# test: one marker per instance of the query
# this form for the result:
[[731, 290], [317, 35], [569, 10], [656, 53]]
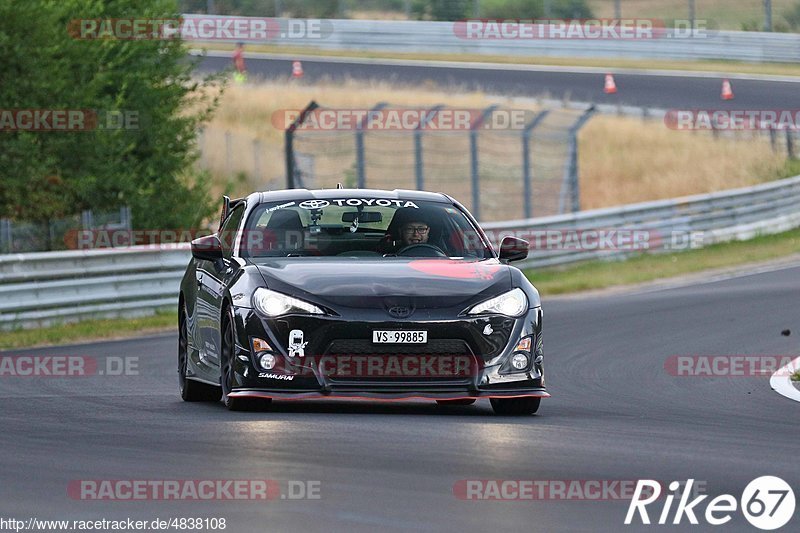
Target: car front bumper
[[304, 377]]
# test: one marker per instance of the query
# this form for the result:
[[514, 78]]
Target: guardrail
[[737, 214], [424, 36], [41, 288]]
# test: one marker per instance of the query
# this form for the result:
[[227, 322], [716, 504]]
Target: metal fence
[[738, 15], [737, 214], [446, 38], [44, 288], [58, 234], [41, 288], [530, 169]]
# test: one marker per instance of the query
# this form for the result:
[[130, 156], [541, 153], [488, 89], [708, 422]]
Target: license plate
[[399, 337]]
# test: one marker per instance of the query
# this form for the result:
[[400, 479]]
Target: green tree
[[791, 17], [147, 165]]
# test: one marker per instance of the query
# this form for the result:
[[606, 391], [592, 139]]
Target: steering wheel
[[429, 250]]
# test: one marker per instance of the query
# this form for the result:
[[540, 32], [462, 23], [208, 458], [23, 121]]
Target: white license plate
[[399, 337]]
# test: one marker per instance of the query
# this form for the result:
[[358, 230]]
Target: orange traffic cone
[[610, 87], [727, 92], [297, 69]]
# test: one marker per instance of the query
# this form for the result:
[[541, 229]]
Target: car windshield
[[361, 227]]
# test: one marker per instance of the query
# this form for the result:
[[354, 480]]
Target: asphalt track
[[615, 414], [679, 91]]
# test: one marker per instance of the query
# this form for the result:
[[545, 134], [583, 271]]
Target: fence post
[[773, 139], [571, 181], [288, 145], [473, 159], [360, 171], [419, 170], [125, 215], [6, 242], [87, 219], [51, 233], [527, 181], [789, 144], [767, 15]]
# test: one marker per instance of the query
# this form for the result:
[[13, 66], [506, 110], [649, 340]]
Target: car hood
[[358, 283]]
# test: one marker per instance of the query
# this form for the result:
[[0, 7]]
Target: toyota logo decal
[[314, 204], [400, 311]]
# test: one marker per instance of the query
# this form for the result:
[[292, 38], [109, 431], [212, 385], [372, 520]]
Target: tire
[[460, 401], [190, 390], [226, 371], [515, 406]]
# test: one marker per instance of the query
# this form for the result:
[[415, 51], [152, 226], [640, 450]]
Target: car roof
[[327, 194]]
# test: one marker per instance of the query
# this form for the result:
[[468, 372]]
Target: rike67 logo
[[767, 503]]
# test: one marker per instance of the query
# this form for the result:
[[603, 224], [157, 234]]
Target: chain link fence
[[508, 163], [58, 234], [529, 169]]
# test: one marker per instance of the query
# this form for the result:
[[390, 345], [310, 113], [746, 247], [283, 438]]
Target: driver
[[410, 227], [414, 232]]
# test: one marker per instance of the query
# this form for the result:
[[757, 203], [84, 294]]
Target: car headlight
[[513, 303], [273, 303]]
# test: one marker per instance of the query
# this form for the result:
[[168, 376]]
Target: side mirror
[[513, 249], [207, 248]]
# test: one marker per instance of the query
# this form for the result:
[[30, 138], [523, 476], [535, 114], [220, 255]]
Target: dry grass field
[[721, 14]]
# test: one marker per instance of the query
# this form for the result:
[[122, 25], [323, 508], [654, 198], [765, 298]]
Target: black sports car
[[359, 294]]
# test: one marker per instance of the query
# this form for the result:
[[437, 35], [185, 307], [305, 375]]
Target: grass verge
[[88, 330], [642, 268], [796, 376], [723, 67]]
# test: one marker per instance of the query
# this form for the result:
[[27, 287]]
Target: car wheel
[[515, 406], [191, 391], [460, 401], [227, 378]]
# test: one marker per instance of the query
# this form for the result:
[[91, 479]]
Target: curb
[[781, 381]]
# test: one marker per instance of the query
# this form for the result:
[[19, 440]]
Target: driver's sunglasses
[[422, 230]]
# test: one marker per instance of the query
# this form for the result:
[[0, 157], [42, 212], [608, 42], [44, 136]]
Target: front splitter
[[381, 396]]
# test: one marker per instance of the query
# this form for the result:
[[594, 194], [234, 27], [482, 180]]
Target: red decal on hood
[[455, 269]]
